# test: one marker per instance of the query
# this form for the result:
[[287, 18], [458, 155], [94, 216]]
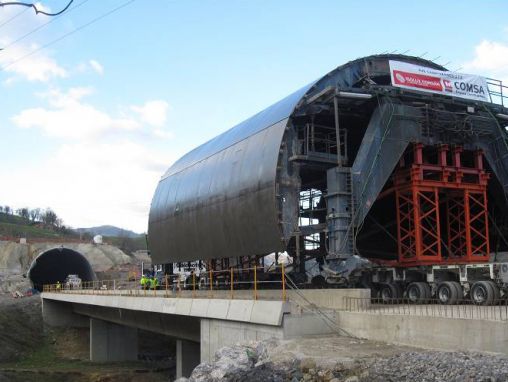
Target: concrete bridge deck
[[200, 325], [203, 325]]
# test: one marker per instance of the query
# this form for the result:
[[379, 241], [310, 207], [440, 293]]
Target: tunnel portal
[[56, 264]]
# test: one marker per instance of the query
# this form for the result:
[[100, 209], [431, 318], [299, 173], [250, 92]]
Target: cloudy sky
[[93, 114]]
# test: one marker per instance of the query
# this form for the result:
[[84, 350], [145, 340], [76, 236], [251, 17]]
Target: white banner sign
[[415, 77]]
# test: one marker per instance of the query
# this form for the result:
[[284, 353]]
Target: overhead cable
[[36, 9], [67, 34], [40, 26]]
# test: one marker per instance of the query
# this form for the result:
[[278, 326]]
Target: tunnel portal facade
[[55, 264]]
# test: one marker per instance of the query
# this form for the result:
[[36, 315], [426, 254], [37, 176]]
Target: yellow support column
[[255, 282], [283, 283], [211, 282], [232, 284], [193, 284]]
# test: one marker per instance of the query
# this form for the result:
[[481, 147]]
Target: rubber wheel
[[458, 288], [447, 293], [497, 292], [418, 292], [318, 282], [390, 293], [482, 293]]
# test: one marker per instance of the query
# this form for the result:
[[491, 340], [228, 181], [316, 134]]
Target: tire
[[458, 288], [447, 293], [390, 293], [418, 292], [497, 292], [482, 293], [318, 282]]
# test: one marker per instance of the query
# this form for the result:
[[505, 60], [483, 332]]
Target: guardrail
[[498, 311], [498, 92], [209, 284]]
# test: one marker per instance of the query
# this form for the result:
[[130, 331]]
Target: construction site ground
[[343, 359], [32, 352]]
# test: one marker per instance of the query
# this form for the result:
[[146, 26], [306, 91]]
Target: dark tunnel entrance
[[56, 264]]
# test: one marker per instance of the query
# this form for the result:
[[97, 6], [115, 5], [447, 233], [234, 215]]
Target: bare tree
[[8, 210], [23, 212], [35, 214], [49, 217]]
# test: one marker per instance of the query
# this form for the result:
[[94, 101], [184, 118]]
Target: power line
[[37, 10], [40, 26], [13, 17], [67, 34]]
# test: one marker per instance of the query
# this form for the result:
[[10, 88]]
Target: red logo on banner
[[448, 85], [417, 80]]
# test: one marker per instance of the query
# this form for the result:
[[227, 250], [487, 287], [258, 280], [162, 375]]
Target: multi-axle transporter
[[389, 172]]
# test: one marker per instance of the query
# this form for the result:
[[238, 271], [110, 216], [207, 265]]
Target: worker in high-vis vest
[[144, 282], [154, 282]]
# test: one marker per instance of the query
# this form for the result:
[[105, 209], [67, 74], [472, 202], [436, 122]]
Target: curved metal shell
[[237, 194], [221, 198]]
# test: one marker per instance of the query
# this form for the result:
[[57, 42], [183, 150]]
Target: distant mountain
[[109, 230]]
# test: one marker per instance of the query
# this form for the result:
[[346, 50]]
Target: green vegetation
[[17, 226], [45, 357], [127, 244], [44, 365], [45, 224]]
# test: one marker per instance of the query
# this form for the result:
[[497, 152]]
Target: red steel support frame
[[423, 191]]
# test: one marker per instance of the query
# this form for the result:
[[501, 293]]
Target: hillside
[[109, 230], [14, 227]]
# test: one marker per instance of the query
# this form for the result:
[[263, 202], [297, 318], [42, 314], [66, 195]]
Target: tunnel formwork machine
[[348, 168]]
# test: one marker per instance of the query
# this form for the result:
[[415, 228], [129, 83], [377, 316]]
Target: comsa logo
[[469, 88], [448, 85]]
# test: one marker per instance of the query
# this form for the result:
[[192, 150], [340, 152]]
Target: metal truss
[[441, 208]]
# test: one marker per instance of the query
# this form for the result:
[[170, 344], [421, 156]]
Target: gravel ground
[[440, 367], [339, 359]]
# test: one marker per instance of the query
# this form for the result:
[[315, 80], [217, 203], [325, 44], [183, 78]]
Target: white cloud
[[96, 66], [92, 183], [16, 59], [490, 60], [163, 134], [37, 67], [153, 112], [70, 117], [104, 172]]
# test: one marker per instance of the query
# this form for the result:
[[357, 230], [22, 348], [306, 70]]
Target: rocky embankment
[[21, 328], [340, 359]]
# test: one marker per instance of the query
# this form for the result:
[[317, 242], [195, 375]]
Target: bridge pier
[[112, 342], [187, 357]]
